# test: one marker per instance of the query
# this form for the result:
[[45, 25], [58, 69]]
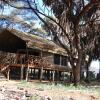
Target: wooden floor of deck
[[53, 67]]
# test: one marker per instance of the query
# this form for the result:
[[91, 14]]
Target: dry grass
[[58, 91]]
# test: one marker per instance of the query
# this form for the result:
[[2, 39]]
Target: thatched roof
[[12, 40]]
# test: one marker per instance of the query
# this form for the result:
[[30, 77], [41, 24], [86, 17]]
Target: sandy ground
[[45, 94]]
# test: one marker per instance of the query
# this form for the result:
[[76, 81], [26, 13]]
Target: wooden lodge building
[[31, 57]]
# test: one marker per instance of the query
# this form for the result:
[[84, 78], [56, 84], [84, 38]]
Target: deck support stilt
[[34, 73], [27, 73], [63, 76], [58, 75], [53, 76], [41, 74], [48, 74], [8, 74], [31, 71], [45, 74], [22, 72]]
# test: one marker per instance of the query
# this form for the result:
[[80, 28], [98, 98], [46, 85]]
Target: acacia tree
[[75, 28], [79, 21]]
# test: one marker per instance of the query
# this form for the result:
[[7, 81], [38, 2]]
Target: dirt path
[[12, 91]]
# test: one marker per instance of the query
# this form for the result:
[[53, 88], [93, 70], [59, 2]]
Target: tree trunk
[[70, 76], [76, 75], [87, 69], [87, 74], [76, 70]]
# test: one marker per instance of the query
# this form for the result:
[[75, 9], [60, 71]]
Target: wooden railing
[[31, 60]]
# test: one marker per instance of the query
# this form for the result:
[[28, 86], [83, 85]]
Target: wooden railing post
[[27, 72]]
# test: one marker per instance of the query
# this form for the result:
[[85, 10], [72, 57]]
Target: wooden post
[[44, 74], [58, 75], [34, 73], [22, 72], [41, 74], [27, 73], [58, 72], [63, 76], [60, 60], [8, 74], [53, 76], [48, 74], [31, 71]]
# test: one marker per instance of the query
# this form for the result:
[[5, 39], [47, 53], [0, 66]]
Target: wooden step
[[3, 68], [2, 77]]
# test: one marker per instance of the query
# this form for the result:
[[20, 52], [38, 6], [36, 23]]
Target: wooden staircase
[[4, 68], [2, 77], [3, 72]]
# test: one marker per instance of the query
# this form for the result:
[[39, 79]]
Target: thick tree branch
[[86, 9]]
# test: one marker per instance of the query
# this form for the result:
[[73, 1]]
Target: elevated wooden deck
[[53, 69], [32, 66], [24, 64]]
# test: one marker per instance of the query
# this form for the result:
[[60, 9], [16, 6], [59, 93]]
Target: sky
[[8, 10], [94, 66]]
